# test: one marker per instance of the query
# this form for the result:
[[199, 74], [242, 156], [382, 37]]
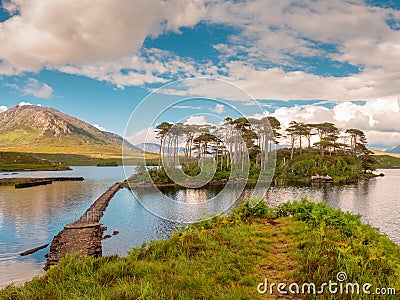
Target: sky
[[116, 63]]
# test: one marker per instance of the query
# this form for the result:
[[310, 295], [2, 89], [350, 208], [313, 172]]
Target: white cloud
[[104, 40], [382, 132], [378, 118], [37, 89], [219, 109], [24, 103], [208, 87], [146, 135], [274, 83], [33, 87], [11, 85], [150, 66], [62, 32], [101, 128], [383, 140], [197, 120], [3, 108], [7, 69], [275, 32]]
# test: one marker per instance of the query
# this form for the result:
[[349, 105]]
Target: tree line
[[234, 141]]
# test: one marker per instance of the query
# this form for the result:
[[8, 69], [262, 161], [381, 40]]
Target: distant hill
[[395, 149], [149, 147], [37, 129], [154, 148]]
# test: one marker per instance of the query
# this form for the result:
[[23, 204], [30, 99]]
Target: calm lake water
[[31, 217]]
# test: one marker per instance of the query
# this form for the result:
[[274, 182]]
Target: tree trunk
[[292, 150], [159, 157]]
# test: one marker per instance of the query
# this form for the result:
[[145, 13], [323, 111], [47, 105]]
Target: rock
[[321, 178]]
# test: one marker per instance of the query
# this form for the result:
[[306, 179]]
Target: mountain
[[155, 148], [37, 129], [149, 147], [395, 149]]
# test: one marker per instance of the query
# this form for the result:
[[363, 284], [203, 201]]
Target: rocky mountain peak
[[35, 125]]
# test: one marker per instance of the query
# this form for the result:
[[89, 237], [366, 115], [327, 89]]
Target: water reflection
[[31, 217], [187, 205]]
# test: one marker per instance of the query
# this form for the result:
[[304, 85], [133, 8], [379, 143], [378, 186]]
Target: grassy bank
[[18, 161], [387, 162], [15, 161], [227, 257]]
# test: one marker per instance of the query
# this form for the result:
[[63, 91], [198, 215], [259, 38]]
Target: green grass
[[227, 257], [36, 160], [67, 146], [387, 162], [13, 161], [339, 242]]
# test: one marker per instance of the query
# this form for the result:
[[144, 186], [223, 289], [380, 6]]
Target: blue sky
[[313, 61]]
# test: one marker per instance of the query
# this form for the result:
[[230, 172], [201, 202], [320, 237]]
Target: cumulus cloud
[[219, 109], [197, 120], [60, 32], [24, 103], [264, 54], [7, 69], [272, 36], [150, 66], [37, 89], [101, 128], [33, 87], [3, 108], [377, 117], [146, 135], [383, 140], [285, 29]]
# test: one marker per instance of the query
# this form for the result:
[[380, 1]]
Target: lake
[[31, 217]]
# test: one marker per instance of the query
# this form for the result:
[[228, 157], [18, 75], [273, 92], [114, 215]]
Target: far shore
[[16, 181]]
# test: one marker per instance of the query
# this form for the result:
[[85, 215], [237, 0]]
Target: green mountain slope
[[36, 129]]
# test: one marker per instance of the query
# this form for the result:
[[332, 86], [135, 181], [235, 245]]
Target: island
[[250, 150]]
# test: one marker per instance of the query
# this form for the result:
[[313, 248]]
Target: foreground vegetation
[[14, 161], [227, 257]]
